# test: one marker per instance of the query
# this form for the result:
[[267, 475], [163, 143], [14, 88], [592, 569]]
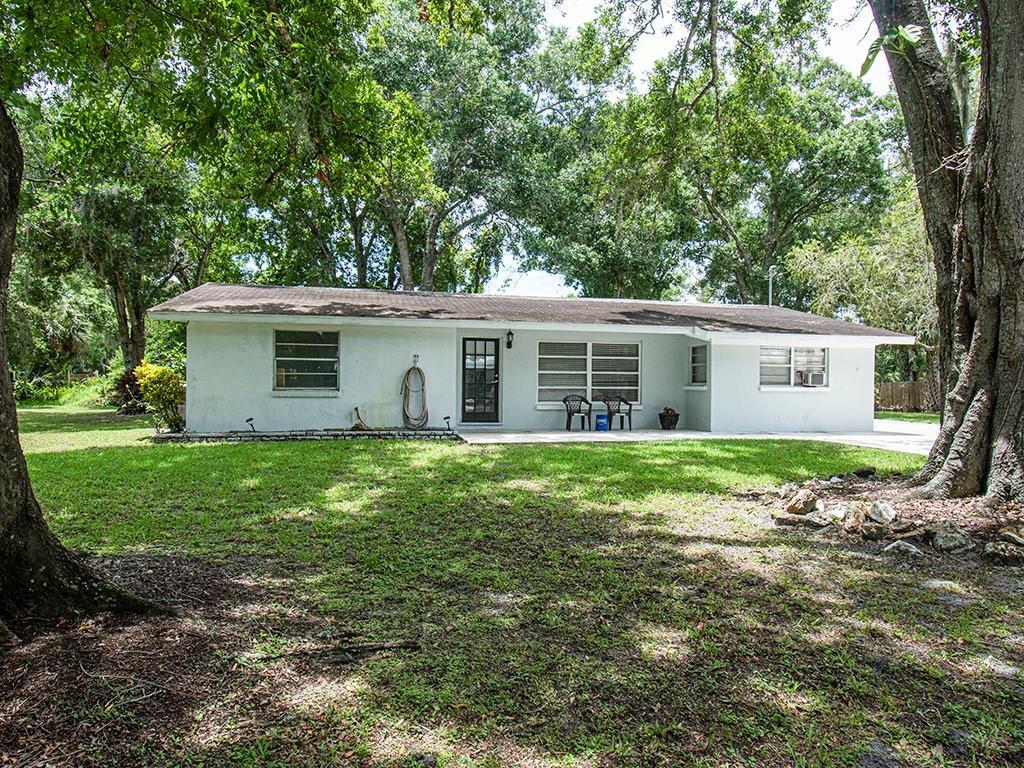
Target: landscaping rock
[[902, 526], [948, 537], [913, 533], [803, 502], [835, 514], [856, 514], [1014, 534], [900, 547], [818, 519], [882, 512], [874, 531], [1003, 553], [808, 521], [788, 490]]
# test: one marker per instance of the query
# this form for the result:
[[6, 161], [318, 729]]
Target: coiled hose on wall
[[411, 388]]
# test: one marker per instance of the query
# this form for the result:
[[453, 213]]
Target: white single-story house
[[296, 358]]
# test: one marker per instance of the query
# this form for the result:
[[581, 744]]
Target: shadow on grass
[[573, 606], [64, 419]]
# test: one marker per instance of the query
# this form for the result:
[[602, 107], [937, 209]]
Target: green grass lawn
[[574, 605], [925, 418]]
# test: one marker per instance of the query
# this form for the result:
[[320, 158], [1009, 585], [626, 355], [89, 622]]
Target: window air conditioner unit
[[813, 378]]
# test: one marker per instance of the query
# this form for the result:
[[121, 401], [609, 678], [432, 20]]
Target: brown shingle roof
[[218, 298]]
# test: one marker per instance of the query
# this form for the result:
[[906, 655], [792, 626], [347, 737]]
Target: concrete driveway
[[892, 435]]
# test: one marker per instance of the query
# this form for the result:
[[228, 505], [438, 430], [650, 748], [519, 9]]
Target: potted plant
[[668, 418]]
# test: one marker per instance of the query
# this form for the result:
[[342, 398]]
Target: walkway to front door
[[480, 380]]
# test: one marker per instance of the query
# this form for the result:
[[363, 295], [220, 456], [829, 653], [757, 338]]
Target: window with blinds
[[698, 366], [592, 369], [305, 359], [776, 367], [793, 366]]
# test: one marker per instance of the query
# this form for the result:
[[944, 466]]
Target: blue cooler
[[601, 422]]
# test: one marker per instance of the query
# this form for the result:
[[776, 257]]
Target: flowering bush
[[163, 390]]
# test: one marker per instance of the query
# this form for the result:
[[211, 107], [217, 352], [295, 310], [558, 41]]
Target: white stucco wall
[[740, 404], [230, 378], [662, 365], [230, 368]]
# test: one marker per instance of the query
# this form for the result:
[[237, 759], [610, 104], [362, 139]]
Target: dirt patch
[[120, 691]]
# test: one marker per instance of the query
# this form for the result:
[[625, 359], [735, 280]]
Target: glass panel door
[[480, 380]]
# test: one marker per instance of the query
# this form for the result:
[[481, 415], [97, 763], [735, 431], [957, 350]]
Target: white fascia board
[[743, 338]]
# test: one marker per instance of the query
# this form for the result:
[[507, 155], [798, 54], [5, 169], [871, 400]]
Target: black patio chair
[[621, 407], [577, 405]]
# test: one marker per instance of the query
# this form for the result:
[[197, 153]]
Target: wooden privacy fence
[[903, 396]]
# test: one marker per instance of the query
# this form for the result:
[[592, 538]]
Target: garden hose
[[409, 389]]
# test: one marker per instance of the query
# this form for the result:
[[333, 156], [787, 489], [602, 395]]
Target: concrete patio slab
[[907, 437]]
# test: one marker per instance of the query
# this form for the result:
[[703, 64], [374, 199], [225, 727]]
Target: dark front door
[[479, 379]]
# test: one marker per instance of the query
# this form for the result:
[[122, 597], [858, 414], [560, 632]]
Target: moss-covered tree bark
[[39, 578], [973, 200]]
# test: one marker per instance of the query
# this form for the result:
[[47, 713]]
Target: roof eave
[[870, 337], [717, 337]]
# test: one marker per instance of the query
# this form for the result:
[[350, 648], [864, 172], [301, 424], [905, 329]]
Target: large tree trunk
[[430, 253], [355, 222], [932, 385], [973, 201], [38, 577], [131, 324], [397, 226]]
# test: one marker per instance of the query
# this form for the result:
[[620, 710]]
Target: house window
[[305, 359], [698, 366], [592, 369], [793, 367], [810, 367]]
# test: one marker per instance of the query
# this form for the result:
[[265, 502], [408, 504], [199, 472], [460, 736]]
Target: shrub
[[35, 390], [163, 391], [127, 395]]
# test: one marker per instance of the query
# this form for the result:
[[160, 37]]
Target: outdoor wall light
[[508, 339]]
